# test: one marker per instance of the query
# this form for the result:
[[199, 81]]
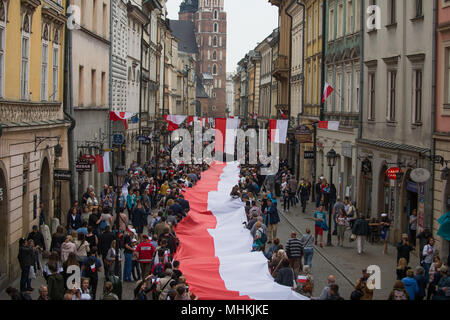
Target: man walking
[[304, 194], [326, 294], [271, 220], [25, 260], [145, 251], [294, 252]]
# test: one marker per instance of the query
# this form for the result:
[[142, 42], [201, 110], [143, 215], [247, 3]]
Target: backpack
[[264, 238], [159, 270]]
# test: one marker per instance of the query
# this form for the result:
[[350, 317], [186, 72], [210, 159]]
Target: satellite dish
[[420, 175]]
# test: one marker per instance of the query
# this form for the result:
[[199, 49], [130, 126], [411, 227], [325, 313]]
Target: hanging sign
[[309, 155], [83, 166], [62, 175], [393, 173]]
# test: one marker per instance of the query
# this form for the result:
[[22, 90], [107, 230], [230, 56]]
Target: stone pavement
[[345, 262]]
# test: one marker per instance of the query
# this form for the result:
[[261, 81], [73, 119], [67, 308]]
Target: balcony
[[281, 68], [346, 120]]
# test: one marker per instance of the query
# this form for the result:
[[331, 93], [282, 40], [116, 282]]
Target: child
[[134, 262]]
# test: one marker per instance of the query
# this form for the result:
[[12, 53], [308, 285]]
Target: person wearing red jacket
[[145, 251]]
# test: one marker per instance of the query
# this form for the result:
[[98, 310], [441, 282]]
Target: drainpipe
[[361, 88], [68, 95], [429, 220]]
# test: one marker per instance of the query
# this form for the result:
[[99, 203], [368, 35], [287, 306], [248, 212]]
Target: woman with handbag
[[110, 260], [83, 247]]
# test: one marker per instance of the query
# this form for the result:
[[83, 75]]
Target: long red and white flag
[[121, 116], [327, 91], [174, 121], [278, 130], [215, 250], [226, 132], [329, 125], [103, 163]]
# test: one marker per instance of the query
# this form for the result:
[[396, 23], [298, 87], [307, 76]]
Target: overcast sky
[[249, 22]]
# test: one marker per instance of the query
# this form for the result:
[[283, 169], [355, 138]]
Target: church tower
[[210, 21]]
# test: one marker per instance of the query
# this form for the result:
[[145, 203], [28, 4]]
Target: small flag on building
[[329, 125], [103, 163], [174, 121], [278, 130], [283, 115], [327, 91]]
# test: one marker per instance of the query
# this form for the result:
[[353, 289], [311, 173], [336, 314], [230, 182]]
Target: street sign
[[62, 175], [309, 155], [89, 158], [142, 139], [118, 138], [83, 166]]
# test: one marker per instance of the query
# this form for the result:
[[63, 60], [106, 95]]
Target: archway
[[45, 189], [3, 224]]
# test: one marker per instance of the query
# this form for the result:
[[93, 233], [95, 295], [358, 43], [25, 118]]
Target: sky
[[248, 23]]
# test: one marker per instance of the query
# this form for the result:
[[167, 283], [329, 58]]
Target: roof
[[184, 31], [200, 90], [394, 146]]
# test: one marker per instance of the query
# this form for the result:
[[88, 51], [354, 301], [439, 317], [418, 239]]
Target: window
[[44, 71], [216, 27], [3, 15], [371, 96], [216, 15], [81, 86], [55, 72], [214, 55], [357, 14], [349, 17], [103, 84], [215, 41], [349, 92], [419, 8], [357, 91], [339, 87], [417, 96], [320, 19], [25, 51], [93, 87], [392, 81], [340, 20], [392, 12], [331, 26], [309, 28], [214, 69], [105, 21]]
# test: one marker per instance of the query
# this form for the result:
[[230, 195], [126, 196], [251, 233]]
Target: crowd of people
[[134, 226]]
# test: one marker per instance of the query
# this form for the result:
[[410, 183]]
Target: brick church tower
[[210, 21]]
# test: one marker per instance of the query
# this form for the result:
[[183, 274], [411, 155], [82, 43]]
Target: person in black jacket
[[285, 275], [104, 242], [361, 230], [404, 248], [37, 237], [58, 239], [318, 194], [139, 218], [26, 261]]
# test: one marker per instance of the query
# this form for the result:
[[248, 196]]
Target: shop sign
[[89, 158], [394, 173], [62, 175], [83, 166], [303, 134], [118, 139], [309, 155], [420, 175]]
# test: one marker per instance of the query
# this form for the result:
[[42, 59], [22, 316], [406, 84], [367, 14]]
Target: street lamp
[[119, 179], [331, 159]]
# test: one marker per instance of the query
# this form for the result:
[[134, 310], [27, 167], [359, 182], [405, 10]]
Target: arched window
[[25, 60], [215, 41], [214, 55], [216, 27], [216, 14], [44, 61], [215, 69]]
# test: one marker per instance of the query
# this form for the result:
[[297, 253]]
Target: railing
[[349, 120]]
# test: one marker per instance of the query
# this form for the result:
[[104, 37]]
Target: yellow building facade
[[33, 139]]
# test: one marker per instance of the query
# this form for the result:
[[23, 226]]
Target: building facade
[[33, 141], [396, 115], [442, 128], [230, 95], [342, 72], [90, 70]]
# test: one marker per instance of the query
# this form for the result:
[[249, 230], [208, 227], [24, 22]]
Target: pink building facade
[[442, 123]]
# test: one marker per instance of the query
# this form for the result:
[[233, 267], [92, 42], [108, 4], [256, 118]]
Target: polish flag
[[174, 121], [278, 130], [103, 163], [121, 116], [226, 134], [283, 115], [254, 116], [327, 92], [302, 279], [329, 125], [214, 243]]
